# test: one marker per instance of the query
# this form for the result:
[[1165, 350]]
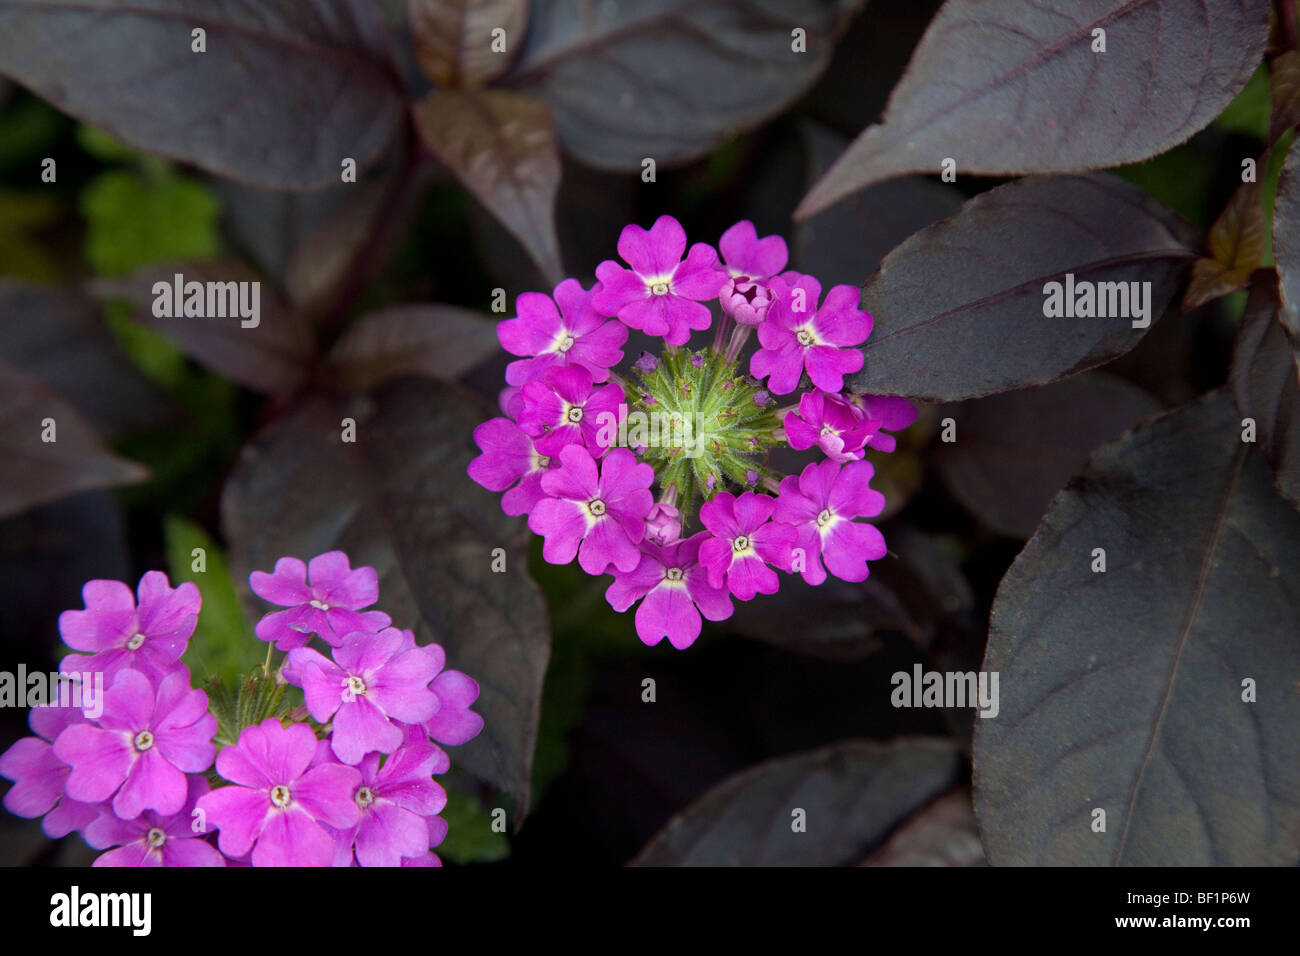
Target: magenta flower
[[663, 525], [749, 262], [798, 335], [428, 859], [887, 412], [372, 681], [40, 776], [394, 803], [510, 459], [749, 257], [329, 606], [277, 805], [597, 514], [144, 745], [149, 638], [575, 335], [155, 839], [674, 591], [454, 723], [744, 542], [661, 294], [561, 409], [832, 424], [821, 504]]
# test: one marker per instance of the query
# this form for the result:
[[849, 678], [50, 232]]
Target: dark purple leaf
[[1286, 241], [1015, 451], [453, 38], [286, 90], [852, 794], [1162, 690], [845, 243], [670, 79], [271, 356], [38, 471], [1266, 384], [1014, 86], [943, 834], [959, 308], [501, 145], [58, 337], [440, 341]]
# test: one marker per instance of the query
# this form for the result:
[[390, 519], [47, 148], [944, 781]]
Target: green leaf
[[470, 837], [223, 645], [103, 146], [133, 221], [1178, 179], [28, 129], [1248, 113]]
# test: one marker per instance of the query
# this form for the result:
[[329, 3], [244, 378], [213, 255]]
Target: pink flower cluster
[[355, 785], [619, 506]]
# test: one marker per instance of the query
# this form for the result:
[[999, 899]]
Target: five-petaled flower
[[277, 801], [574, 336], [674, 591], [798, 336], [597, 513], [149, 638], [140, 749], [155, 839], [662, 294], [329, 606], [374, 680], [743, 542], [822, 503], [562, 409]]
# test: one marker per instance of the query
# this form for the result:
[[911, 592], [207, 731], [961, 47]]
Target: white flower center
[[280, 795], [155, 838], [824, 518], [740, 543], [659, 288], [543, 462], [134, 643], [673, 574], [574, 414], [596, 507], [353, 687], [566, 343], [364, 797], [806, 337], [320, 605], [143, 741]]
